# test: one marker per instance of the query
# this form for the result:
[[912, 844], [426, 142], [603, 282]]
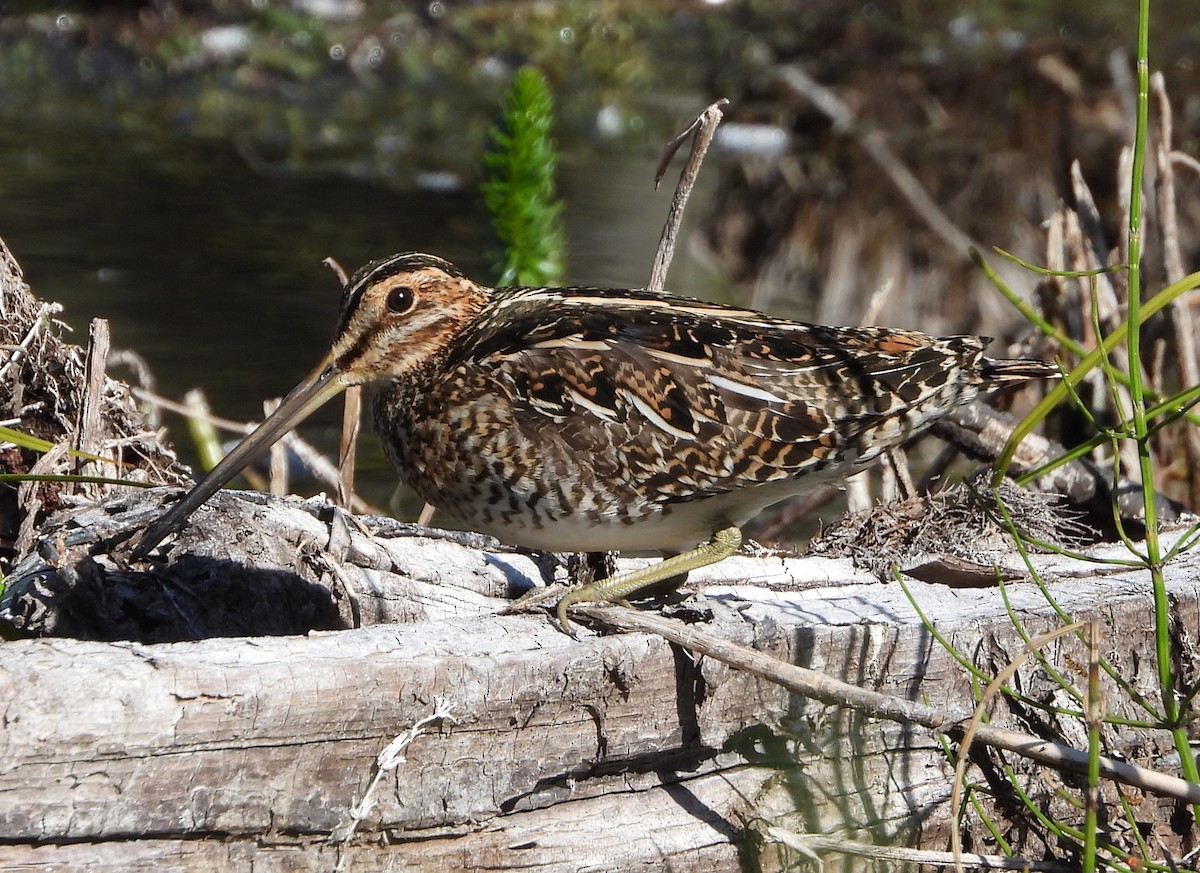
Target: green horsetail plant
[[1098, 830], [520, 192]]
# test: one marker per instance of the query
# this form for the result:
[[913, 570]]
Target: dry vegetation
[[55, 391], [872, 214]]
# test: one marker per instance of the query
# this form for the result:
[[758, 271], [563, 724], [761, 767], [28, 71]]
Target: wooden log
[[607, 752]]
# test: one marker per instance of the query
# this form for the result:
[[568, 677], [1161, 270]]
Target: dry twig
[[704, 127], [1183, 329], [817, 686]]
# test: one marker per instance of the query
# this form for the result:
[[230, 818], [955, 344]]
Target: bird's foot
[[619, 588]]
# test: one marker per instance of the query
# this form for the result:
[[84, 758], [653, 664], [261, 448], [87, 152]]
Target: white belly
[[682, 526]]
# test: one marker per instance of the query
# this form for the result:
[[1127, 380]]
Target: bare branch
[[704, 127], [818, 686]]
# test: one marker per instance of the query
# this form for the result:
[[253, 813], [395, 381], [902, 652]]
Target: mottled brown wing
[[693, 401]]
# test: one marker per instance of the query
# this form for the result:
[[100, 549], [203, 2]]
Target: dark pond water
[[210, 268]]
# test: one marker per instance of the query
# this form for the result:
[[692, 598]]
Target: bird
[[582, 419]]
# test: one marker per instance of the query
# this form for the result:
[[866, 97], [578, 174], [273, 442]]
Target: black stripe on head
[[377, 271], [400, 263]]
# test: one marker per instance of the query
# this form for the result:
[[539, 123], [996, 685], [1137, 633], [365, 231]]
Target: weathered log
[[606, 752]]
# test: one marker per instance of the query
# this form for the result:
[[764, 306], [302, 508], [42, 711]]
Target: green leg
[[617, 588]]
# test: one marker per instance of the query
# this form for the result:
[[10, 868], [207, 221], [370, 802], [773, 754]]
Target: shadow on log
[[247, 565]]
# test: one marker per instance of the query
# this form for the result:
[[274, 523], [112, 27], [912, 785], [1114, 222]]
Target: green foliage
[[36, 444], [1141, 430], [519, 192]]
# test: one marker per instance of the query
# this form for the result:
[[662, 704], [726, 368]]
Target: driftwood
[[607, 752]]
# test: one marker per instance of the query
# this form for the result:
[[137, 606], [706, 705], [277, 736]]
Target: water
[[210, 266]]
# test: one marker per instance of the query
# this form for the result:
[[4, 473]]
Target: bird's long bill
[[321, 385]]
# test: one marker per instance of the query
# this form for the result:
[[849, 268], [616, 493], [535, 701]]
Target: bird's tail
[[1002, 372]]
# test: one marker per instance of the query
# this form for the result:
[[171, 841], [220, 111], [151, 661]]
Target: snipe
[[586, 419]]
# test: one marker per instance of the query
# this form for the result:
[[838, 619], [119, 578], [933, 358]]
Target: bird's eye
[[400, 299]]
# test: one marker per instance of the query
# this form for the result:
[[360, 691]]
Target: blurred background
[[182, 168]]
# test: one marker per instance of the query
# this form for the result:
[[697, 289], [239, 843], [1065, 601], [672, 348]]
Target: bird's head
[[398, 315]]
